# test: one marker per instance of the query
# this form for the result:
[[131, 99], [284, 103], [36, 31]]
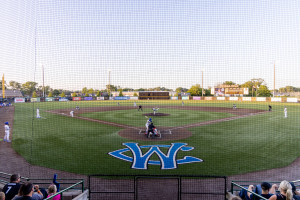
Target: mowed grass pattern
[[176, 118], [243, 145]]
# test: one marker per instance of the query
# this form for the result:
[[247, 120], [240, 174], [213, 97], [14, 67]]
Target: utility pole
[[109, 83]]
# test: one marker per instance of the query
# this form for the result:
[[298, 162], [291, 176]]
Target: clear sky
[[150, 43]]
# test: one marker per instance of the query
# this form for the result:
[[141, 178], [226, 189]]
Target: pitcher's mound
[[156, 114]]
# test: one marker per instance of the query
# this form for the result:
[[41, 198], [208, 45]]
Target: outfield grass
[[233, 147]]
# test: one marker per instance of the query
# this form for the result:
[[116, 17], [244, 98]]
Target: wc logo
[[140, 161]]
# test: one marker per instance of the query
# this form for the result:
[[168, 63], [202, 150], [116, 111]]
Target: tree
[[263, 91], [34, 95], [74, 94], [253, 85], [84, 90], [56, 92], [62, 94], [120, 93], [180, 90], [195, 90], [229, 83], [50, 94], [98, 94], [90, 91], [14, 85], [135, 94], [111, 88], [28, 87]]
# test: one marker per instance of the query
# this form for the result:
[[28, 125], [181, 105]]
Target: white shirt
[[6, 128]]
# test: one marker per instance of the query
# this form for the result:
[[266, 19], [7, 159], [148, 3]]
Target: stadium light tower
[[274, 81], [202, 83], [109, 83]]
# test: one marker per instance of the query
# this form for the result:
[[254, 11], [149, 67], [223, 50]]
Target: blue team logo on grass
[[140, 160]]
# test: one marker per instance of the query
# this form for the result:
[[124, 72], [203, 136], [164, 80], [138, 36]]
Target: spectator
[[26, 192], [285, 190], [12, 188], [264, 189], [52, 191], [2, 196], [296, 194]]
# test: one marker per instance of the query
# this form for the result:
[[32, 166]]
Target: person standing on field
[[72, 113], [6, 129], [38, 113], [285, 111]]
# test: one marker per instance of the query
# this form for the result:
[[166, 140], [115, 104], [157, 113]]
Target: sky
[[150, 43]]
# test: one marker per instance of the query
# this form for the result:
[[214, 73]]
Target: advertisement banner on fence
[[121, 98], [233, 98], [76, 98], [63, 99], [292, 100], [185, 98], [246, 98], [221, 98], [19, 100], [49, 99], [134, 98], [261, 98], [208, 98], [100, 98], [276, 99], [88, 98], [35, 99], [196, 98], [174, 98]]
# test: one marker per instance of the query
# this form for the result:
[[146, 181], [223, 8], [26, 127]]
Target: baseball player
[[234, 107], [155, 110], [134, 104], [270, 108], [149, 121], [182, 103], [77, 108], [6, 129], [140, 107], [72, 113], [38, 113], [285, 111]]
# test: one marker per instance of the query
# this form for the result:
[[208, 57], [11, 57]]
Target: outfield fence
[[157, 187]]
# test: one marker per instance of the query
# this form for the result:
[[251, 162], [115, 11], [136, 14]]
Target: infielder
[[134, 104], [140, 107], [72, 113], [182, 103], [6, 129], [285, 111], [234, 107], [38, 113], [149, 121]]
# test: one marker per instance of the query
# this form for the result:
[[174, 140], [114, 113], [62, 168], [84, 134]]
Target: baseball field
[[228, 141]]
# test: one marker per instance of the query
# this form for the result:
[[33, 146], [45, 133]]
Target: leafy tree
[[195, 90], [229, 83], [135, 94], [14, 85], [29, 87], [86, 95], [98, 94], [180, 90], [84, 90], [50, 94], [62, 94], [74, 94], [90, 91], [127, 89], [141, 89], [120, 93], [34, 95], [207, 92], [253, 85], [111, 87], [55, 92], [263, 91]]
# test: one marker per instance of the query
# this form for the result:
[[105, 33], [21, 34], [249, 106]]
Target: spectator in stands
[[264, 189], [52, 191], [2, 196], [26, 192], [296, 194], [35, 196], [12, 188], [285, 190]]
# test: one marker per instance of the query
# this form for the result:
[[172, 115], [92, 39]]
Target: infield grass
[[233, 147]]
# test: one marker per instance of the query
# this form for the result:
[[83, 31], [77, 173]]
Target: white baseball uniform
[[6, 136], [72, 113], [285, 112], [38, 113]]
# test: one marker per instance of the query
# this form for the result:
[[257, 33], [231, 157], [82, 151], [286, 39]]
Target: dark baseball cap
[[265, 186]]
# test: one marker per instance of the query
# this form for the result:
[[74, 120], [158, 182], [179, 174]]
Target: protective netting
[[218, 79]]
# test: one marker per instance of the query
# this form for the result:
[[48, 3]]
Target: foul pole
[[3, 87]]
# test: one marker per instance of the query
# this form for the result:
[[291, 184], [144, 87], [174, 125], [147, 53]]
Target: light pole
[[274, 81], [43, 82], [109, 83], [202, 83]]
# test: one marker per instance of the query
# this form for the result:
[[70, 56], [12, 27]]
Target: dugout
[[154, 95]]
